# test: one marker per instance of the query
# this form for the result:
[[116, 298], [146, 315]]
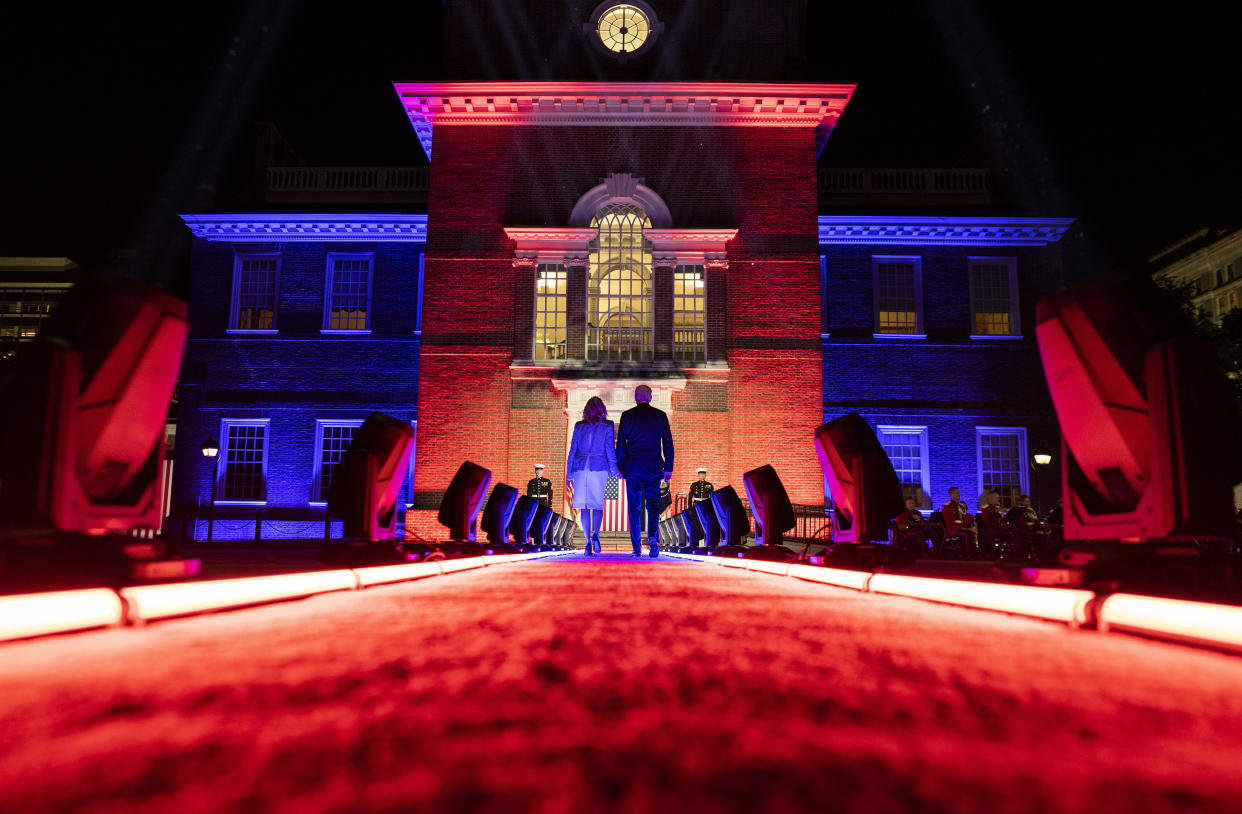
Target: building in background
[[620, 193], [1208, 263]]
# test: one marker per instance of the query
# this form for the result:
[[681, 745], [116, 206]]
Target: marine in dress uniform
[[701, 489], [540, 488]]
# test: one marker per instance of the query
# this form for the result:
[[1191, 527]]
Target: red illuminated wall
[[476, 317]]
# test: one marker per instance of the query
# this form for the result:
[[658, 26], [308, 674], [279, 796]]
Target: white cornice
[[548, 240], [914, 230], [286, 228], [604, 104]]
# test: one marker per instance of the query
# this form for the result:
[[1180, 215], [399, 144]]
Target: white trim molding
[[920, 230], [612, 104], [621, 187], [545, 244], [294, 228]]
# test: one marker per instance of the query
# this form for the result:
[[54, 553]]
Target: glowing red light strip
[[781, 569], [1059, 604], [381, 574], [58, 612], [831, 576], [148, 602], [1195, 622]]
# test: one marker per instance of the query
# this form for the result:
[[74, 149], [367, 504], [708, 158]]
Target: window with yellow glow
[[550, 335], [619, 290], [992, 300], [623, 28], [897, 297], [689, 314], [255, 288], [349, 293]]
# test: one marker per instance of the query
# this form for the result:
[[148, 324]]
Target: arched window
[[619, 289]]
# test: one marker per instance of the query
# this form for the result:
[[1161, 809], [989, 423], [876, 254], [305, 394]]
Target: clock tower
[[621, 193]]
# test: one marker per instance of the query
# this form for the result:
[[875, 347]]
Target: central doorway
[[618, 396]]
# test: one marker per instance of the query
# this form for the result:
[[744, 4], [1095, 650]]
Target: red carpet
[[615, 685]]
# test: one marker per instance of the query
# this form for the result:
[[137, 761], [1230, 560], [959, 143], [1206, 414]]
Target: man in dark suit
[[645, 458]]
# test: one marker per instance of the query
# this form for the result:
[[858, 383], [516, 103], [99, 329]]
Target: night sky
[[125, 114]]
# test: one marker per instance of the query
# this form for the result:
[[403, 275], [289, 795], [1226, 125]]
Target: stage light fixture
[[85, 409], [692, 526], [462, 501], [866, 493], [539, 528], [730, 516], [523, 516], [769, 503], [368, 480], [498, 513], [1150, 441], [706, 513]]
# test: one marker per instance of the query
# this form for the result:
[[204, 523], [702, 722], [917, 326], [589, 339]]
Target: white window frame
[[317, 499], [1024, 462], [234, 299], [221, 460], [327, 291], [917, 262], [1015, 324], [924, 461]]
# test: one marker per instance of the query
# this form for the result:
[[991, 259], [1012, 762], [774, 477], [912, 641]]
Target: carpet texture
[[615, 685]]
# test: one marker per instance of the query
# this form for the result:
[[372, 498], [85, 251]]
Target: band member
[[540, 488], [992, 522], [700, 490], [958, 522], [1027, 530], [914, 532]]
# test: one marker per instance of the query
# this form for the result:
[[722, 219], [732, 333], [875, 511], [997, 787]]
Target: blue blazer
[[644, 442]]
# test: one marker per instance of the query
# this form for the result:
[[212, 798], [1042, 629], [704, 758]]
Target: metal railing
[[348, 179], [914, 181]]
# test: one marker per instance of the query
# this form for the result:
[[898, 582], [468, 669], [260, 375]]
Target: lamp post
[[1040, 460], [210, 450]]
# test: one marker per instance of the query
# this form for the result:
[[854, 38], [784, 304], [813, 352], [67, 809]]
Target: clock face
[[623, 28]]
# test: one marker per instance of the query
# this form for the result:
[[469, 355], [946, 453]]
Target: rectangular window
[[331, 440], [993, 296], [255, 287], [689, 314], [898, 295], [550, 304], [243, 473], [1002, 461], [907, 449], [347, 304]]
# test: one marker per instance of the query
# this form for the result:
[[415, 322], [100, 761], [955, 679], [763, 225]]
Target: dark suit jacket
[[644, 442]]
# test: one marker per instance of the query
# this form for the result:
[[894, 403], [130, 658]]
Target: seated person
[[992, 522], [1028, 532], [959, 523], [914, 533]]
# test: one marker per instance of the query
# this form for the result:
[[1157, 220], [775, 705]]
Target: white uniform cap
[[702, 469], [540, 466]]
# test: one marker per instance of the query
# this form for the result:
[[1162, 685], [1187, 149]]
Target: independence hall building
[[619, 193]]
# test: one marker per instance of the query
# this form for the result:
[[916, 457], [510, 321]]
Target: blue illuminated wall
[[291, 378], [947, 381]]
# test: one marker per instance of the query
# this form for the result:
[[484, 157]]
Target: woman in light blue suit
[[592, 458]]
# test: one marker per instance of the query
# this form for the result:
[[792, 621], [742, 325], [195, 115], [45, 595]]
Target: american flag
[[615, 516], [569, 499]]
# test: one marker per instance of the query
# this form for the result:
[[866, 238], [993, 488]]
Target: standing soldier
[[540, 488], [701, 489]]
